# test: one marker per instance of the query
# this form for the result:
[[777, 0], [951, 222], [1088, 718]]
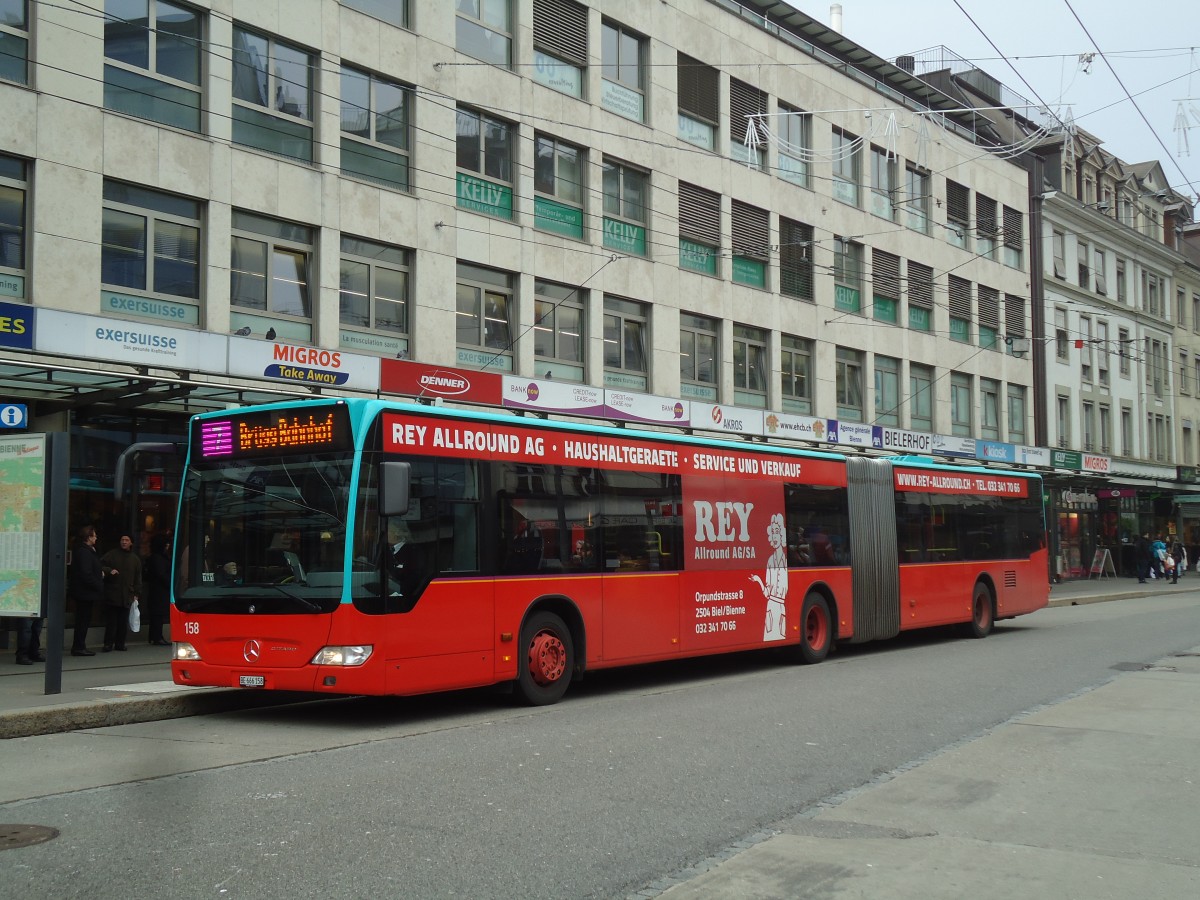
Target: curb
[[103, 712]]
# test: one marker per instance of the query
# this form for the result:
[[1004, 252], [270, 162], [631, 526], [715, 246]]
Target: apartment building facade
[[738, 213]]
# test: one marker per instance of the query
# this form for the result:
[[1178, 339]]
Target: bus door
[[641, 554]]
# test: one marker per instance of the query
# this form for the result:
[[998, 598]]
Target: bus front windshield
[[265, 535]]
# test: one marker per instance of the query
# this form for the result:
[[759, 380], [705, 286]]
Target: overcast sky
[[1148, 42]]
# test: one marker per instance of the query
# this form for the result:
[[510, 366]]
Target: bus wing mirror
[[394, 480]]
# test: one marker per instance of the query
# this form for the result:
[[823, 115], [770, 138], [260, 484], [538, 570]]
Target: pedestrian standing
[[1158, 553], [1178, 560], [87, 587], [29, 641], [158, 589], [1142, 556], [122, 585]]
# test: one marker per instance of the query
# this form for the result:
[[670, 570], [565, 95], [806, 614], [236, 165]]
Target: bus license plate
[[252, 681]]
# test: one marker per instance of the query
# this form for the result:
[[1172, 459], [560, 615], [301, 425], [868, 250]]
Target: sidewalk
[[1094, 798], [119, 688]]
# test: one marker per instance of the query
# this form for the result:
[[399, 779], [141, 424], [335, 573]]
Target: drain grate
[[14, 836]]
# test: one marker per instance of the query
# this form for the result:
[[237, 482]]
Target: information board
[[22, 504]]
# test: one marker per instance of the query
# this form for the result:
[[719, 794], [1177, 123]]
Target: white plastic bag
[[135, 617]]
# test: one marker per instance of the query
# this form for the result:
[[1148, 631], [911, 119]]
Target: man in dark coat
[[122, 585], [87, 587], [1142, 555], [158, 589]]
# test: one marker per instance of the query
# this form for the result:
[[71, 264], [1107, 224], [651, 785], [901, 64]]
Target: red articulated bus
[[371, 547]]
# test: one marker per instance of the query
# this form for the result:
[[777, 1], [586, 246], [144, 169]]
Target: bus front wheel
[[547, 660], [982, 618], [816, 629]]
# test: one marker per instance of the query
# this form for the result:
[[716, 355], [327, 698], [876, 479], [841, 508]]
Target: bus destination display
[[273, 432]]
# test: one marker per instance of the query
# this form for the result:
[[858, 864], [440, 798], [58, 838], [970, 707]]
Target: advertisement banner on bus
[[413, 379], [940, 482], [553, 396]]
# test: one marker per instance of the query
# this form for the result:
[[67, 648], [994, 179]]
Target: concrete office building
[[215, 203]]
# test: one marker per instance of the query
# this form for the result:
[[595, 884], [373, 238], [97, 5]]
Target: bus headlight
[[343, 656], [185, 651]]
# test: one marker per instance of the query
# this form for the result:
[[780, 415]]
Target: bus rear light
[[343, 656], [185, 651]]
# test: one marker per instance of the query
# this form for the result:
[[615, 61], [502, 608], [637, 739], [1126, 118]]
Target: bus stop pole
[[54, 553]]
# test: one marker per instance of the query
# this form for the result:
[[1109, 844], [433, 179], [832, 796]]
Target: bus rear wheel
[[816, 629], [547, 660], [982, 618]]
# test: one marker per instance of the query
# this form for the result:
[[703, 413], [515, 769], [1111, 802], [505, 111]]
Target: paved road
[[638, 776]]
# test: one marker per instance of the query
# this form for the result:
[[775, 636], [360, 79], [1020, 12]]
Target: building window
[[958, 214], [151, 245], [883, 182], [794, 141], [394, 12], [1123, 350], [987, 226], [1102, 352], [795, 259], [1122, 287], [483, 30], [483, 318], [1184, 387], [484, 147], [1100, 275], [916, 199], [269, 276], [920, 296], [1060, 334], [13, 190], [623, 71], [885, 285], [989, 409], [375, 129], [1126, 432], [1087, 417], [795, 366], [699, 102], [1063, 420], [1085, 351], [849, 384], [560, 45], [152, 61], [1196, 313], [272, 95], [558, 169], [749, 366], [920, 397], [699, 229], [751, 244], [1016, 413], [989, 317], [1014, 236], [1058, 243], [847, 275], [887, 391], [1105, 434], [626, 336], [373, 296], [1081, 253], [1150, 293], [14, 41], [747, 106], [698, 356], [847, 166], [625, 203], [1014, 323], [558, 319], [1180, 306], [961, 407], [960, 309]]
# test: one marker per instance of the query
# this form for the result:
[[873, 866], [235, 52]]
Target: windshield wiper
[[291, 595], [194, 605]]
